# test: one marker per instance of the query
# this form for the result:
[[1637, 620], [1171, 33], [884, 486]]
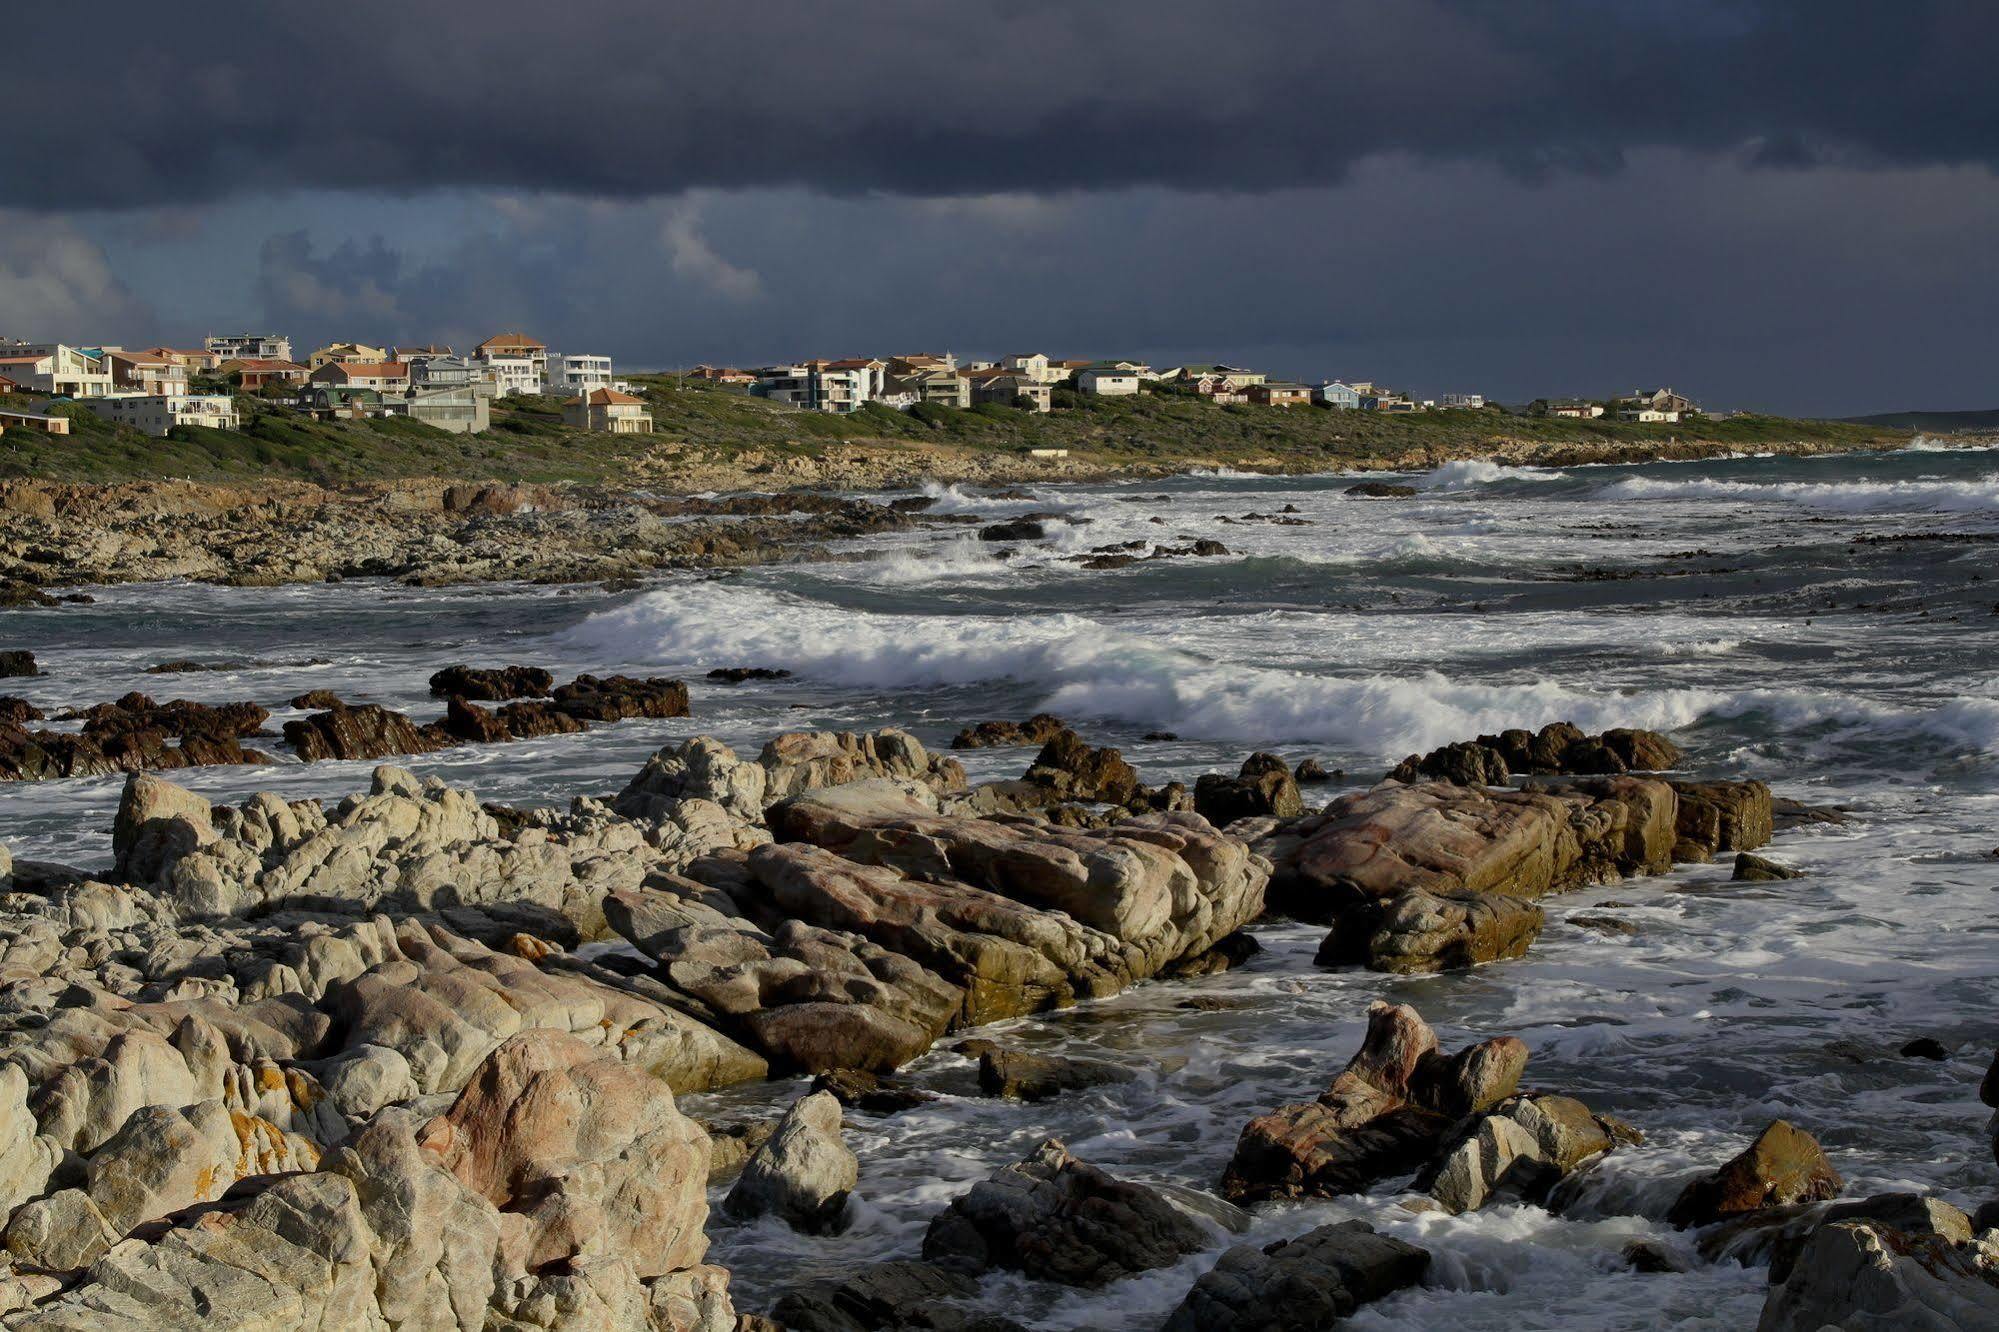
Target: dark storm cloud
[[629, 98]]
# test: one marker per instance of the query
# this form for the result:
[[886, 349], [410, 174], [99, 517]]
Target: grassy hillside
[[1936, 423], [529, 442]]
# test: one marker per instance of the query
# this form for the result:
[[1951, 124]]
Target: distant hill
[[1942, 423]]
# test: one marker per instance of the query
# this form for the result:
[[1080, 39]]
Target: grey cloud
[[632, 98]]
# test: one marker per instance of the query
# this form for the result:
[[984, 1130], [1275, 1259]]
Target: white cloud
[[698, 261], [56, 282]]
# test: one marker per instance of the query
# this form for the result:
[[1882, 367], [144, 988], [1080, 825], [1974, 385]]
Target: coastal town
[[228, 379]]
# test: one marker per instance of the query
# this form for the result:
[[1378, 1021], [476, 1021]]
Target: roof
[[22, 360], [141, 358], [851, 363], [255, 363], [605, 397], [500, 341], [370, 369]]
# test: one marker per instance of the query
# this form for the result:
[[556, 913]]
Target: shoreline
[[678, 510]]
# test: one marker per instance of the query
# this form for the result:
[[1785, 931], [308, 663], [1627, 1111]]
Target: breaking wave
[[1980, 496], [1467, 473], [1084, 668]]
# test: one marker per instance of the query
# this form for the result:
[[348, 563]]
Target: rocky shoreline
[[407, 1060], [441, 531]]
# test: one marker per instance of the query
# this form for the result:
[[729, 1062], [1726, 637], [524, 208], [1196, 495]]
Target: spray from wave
[[1087, 669], [1471, 473]]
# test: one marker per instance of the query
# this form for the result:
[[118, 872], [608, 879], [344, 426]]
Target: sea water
[[1829, 625]]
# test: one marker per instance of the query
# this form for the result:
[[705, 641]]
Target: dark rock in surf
[[15, 663], [894, 1296], [1310, 772], [317, 700], [589, 698], [366, 732], [1056, 1218], [1075, 770], [1021, 529], [1022, 1075], [495, 685], [1036, 730], [1750, 868], [1299, 1285], [1420, 931], [1925, 1047], [1720, 816], [1380, 490], [1264, 788], [740, 674]]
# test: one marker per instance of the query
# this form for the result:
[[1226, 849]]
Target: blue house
[[1333, 393]]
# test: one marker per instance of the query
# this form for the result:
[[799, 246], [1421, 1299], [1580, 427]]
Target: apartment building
[[157, 413], [249, 346]]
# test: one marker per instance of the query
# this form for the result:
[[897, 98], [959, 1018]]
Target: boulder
[[1722, 816], [163, 1159], [1519, 1151], [803, 1174], [60, 1233], [1022, 1075], [1752, 868], [1261, 790], [803, 760], [1422, 931], [1058, 1219], [583, 1156], [699, 769], [1299, 1285], [589, 698], [17, 662], [157, 824], [1785, 1165], [1387, 1113], [1022, 529], [1380, 490]]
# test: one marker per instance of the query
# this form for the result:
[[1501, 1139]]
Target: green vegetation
[[529, 442]]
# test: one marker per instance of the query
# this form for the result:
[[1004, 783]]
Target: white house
[[1108, 381], [518, 362], [578, 374], [462, 410], [56, 369], [157, 413], [1473, 401], [249, 347], [1030, 365], [445, 372]]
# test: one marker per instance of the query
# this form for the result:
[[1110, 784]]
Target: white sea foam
[[1981, 496], [1467, 473], [1929, 444], [1088, 669]]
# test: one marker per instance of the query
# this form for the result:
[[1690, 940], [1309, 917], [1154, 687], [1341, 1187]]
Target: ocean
[[1830, 625]]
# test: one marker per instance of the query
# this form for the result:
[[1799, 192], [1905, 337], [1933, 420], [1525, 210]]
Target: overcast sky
[[1787, 205]]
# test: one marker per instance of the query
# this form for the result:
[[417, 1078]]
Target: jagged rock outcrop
[[498, 684], [1519, 1151], [873, 926], [369, 731], [1721, 816], [1265, 787], [1299, 1285], [1556, 749], [886, 1297], [1419, 931], [1056, 1218], [1387, 1113], [804, 760], [1036, 730], [1071, 769]]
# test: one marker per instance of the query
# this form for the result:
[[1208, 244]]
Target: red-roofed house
[[608, 410], [253, 374], [381, 376]]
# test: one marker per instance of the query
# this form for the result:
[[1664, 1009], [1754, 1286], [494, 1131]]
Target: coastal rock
[[16, 663], [62, 1232], [1036, 730], [1752, 868], [495, 685], [699, 769], [1385, 1114], [1058, 1219], [1073, 770], [1721, 816], [1380, 490], [1865, 1276], [1556, 749], [1783, 1166], [1264, 788], [163, 1159], [1375, 844], [886, 1297], [1022, 1075], [1299, 1285], [804, 1173], [744, 674], [804, 760], [367, 732], [1421, 931], [1020, 529], [1520, 1150], [589, 698]]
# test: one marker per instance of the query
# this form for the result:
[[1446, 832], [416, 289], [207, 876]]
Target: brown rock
[[366, 732], [1785, 1165], [496, 685]]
